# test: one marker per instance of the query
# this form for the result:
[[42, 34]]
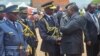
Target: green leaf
[[96, 1]]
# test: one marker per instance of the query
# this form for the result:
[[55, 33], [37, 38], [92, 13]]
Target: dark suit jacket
[[13, 35], [48, 41], [58, 15], [72, 40], [91, 29]]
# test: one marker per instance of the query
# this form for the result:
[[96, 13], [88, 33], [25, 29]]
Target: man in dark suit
[[47, 27], [98, 15], [92, 27], [71, 27]]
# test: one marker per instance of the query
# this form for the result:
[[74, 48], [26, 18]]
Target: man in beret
[[49, 41], [14, 42]]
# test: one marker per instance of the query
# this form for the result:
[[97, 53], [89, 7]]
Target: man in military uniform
[[14, 42], [27, 20], [2, 7], [47, 26]]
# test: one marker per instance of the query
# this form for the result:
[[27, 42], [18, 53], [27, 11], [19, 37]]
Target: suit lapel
[[11, 25], [89, 17]]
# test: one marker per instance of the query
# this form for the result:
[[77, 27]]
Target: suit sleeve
[[63, 21], [70, 27], [76, 23], [86, 32], [43, 33]]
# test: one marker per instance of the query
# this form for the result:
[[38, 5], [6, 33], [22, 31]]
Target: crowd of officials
[[61, 30]]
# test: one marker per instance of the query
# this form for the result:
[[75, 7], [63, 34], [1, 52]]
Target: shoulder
[[1, 21], [4, 25], [43, 18], [79, 19], [86, 15], [4, 22], [76, 17], [19, 24]]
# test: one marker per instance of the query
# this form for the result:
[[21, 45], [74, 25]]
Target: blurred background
[[37, 3]]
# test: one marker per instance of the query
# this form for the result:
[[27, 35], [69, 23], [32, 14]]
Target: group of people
[[61, 31], [17, 31]]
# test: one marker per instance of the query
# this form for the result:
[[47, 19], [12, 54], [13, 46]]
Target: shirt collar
[[48, 15]]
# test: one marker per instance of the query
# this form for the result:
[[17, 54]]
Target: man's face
[[92, 8], [69, 11], [12, 16], [49, 11]]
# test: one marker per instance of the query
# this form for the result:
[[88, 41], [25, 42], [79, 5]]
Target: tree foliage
[[96, 1]]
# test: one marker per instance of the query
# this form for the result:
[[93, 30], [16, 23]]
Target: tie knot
[[14, 24]]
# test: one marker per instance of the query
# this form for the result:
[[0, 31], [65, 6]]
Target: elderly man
[[31, 23], [71, 27]]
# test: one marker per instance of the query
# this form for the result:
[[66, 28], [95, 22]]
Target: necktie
[[14, 24], [52, 20]]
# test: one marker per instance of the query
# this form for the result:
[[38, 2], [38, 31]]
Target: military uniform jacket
[[13, 36], [48, 41], [1, 40]]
